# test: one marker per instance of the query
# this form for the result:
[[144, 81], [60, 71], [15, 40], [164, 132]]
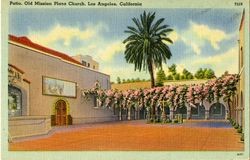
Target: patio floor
[[136, 136]]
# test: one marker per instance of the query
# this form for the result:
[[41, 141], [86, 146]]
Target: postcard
[[125, 79]]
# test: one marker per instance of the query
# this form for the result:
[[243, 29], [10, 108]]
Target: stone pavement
[[194, 135]]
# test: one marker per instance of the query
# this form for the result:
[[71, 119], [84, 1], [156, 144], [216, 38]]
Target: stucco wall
[[35, 65]]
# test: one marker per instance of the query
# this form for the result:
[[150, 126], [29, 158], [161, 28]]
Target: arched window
[[14, 102]]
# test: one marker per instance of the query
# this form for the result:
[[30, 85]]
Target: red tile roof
[[25, 41]]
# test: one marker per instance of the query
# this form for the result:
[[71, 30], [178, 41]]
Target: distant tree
[[177, 76], [183, 77], [190, 76], [187, 74], [209, 73], [118, 80], [160, 78], [205, 73], [169, 77], [132, 80], [123, 81], [199, 74], [128, 81], [138, 79], [172, 69]]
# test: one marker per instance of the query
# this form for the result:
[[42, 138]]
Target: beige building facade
[[87, 61], [238, 104], [241, 85], [45, 88]]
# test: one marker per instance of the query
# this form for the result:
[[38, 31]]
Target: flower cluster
[[175, 95]]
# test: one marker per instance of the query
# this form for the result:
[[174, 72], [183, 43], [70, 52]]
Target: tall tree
[[146, 45], [209, 73], [160, 78], [172, 69], [199, 74]]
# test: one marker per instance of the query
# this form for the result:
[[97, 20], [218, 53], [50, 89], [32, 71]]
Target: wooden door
[[61, 113]]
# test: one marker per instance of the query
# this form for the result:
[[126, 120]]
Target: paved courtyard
[[137, 136]]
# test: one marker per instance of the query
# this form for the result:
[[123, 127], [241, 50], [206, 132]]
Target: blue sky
[[202, 37]]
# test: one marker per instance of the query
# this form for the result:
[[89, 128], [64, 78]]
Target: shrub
[[168, 121], [70, 120], [242, 137], [176, 121], [239, 130], [236, 126], [53, 120]]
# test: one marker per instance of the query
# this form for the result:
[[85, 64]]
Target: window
[[14, 102], [88, 65], [94, 67]]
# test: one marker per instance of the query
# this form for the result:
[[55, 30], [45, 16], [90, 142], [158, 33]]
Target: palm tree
[[145, 46]]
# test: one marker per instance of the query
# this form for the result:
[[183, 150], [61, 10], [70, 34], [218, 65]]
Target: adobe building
[[45, 89], [241, 84], [87, 61]]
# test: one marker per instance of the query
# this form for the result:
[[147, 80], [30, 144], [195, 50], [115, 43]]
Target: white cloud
[[204, 32], [65, 33], [173, 36], [109, 52], [124, 71], [196, 36], [195, 47], [221, 62]]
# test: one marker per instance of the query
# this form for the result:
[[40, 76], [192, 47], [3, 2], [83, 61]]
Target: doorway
[[61, 113]]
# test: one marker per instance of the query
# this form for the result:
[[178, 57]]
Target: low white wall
[[29, 126]]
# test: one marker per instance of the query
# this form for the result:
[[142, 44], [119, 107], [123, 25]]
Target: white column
[[129, 113], [206, 114], [171, 113], [120, 114]]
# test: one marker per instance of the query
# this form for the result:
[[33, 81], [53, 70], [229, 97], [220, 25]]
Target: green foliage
[[204, 73], [160, 78], [169, 77], [190, 76], [199, 74], [242, 137], [186, 74], [172, 69], [118, 80], [239, 130], [145, 46], [176, 121], [209, 73], [177, 76], [236, 126]]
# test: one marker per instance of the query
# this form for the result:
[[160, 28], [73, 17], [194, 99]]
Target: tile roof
[[27, 42]]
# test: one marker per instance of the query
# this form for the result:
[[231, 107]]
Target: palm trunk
[[151, 72]]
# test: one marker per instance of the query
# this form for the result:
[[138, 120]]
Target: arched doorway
[[61, 112], [198, 112], [217, 111]]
